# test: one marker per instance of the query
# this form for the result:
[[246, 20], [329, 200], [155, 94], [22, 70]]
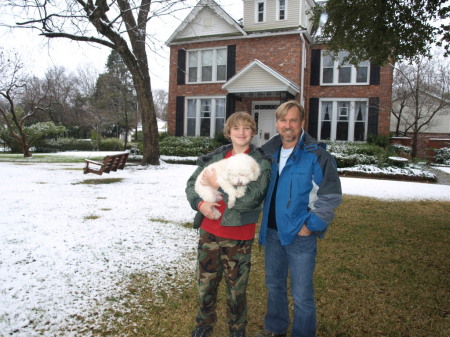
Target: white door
[[264, 115]]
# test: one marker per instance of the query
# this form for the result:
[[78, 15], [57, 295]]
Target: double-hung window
[[205, 116], [281, 10], [260, 11], [337, 71], [207, 65], [343, 119]]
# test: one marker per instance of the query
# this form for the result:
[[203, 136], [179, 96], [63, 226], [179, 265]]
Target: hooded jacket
[[308, 190], [247, 208]]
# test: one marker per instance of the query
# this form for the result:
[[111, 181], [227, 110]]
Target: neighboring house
[[219, 66], [435, 132]]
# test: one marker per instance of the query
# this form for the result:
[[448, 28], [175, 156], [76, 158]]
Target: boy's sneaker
[[202, 331], [265, 333]]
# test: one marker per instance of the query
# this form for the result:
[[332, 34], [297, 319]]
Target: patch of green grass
[[39, 158], [99, 181], [165, 221], [382, 270], [91, 217], [159, 220], [187, 224]]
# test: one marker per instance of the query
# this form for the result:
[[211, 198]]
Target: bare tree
[[12, 86], [421, 91], [117, 24]]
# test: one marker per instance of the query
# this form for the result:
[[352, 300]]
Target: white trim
[[264, 11], [215, 8], [335, 112], [199, 65], [212, 126], [286, 84], [286, 11], [252, 36], [335, 80]]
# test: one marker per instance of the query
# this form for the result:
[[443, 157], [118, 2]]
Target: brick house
[[219, 66]]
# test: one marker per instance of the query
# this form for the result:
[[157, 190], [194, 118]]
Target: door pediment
[[258, 77]]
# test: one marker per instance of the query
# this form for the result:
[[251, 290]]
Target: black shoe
[[202, 331], [240, 333], [265, 333]]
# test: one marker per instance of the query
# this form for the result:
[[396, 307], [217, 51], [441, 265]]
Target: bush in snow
[[349, 154], [187, 146], [400, 149], [442, 156]]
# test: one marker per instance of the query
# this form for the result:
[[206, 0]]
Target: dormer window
[[260, 10], [281, 9]]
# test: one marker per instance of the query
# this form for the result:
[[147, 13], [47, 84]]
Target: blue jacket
[[308, 191]]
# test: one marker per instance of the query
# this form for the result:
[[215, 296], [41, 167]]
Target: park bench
[[110, 163]]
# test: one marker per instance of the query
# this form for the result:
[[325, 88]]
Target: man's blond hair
[[283, 109]]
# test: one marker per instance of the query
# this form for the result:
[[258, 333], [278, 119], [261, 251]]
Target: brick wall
[[426, 143], [383, 91], [281, 53]]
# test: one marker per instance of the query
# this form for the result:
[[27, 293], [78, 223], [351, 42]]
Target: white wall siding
[[293, 15], [206, 23], [257, 78]]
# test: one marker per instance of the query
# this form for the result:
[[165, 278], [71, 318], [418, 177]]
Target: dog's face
[[243, 172]]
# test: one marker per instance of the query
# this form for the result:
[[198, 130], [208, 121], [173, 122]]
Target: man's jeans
[[300, 258]]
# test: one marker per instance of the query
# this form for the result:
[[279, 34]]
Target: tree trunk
[[149, 129]]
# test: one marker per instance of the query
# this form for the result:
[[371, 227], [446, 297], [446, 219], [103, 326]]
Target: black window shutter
[[179, 111], [372, 127], [313, 118], [181, 67], [231, 105], [315, 66], [374, 74], [231, 61]]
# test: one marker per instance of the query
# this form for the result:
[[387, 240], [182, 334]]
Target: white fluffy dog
[[233, 175]]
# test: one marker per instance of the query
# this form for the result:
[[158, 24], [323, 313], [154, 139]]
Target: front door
[[264, 114]]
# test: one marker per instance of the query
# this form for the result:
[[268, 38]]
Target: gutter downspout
[[302, 79]]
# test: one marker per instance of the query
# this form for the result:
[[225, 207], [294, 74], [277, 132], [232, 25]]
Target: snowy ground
[[65, 247]]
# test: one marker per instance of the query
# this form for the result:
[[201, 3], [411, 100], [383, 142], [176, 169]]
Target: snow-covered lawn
[[67, 247]]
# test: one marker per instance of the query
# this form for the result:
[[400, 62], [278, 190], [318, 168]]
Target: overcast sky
[[39, 54]]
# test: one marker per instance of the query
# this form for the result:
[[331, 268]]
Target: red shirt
[[245, 232]]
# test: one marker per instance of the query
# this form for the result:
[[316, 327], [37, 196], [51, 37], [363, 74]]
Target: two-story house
[[219, 66]]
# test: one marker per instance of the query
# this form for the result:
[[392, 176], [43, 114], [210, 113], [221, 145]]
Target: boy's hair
[[283, 109], [237, 118]]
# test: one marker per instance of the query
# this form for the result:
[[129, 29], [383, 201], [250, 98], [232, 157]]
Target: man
[[303, 192]]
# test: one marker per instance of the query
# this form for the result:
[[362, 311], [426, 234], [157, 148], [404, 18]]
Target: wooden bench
[[110, 163]]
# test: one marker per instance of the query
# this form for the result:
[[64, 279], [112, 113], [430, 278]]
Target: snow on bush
[[442, 156], [413, 172]]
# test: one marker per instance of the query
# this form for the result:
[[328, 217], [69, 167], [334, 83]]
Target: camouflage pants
[[219, 257]]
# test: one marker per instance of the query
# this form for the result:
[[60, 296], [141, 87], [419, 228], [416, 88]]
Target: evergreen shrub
[[187, 146], [442, 156], [73, 144], [348, 154]]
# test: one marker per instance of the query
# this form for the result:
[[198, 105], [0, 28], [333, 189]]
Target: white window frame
[[257, 2], [335, 113], [199, 65], [285, 11], [336, 67], [197, 99]]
